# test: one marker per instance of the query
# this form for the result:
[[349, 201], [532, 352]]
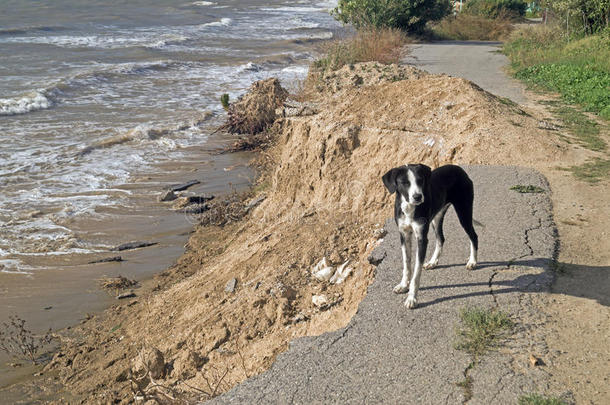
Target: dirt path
[[389, 354], [577, 330]]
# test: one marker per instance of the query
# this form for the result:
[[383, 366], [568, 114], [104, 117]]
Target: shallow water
[[95, 95]]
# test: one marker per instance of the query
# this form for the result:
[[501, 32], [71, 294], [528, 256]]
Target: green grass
[[481, 330], [523, 189], [584, 129], [592, 171], [577, 84], [537, 399], [578, 69]]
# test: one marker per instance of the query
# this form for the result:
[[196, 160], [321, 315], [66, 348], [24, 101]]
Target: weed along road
[[478, 61], [390, 354]]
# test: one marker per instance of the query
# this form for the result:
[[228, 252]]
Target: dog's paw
[[411, 302], [471, 265], [430, 265], [401, 289]]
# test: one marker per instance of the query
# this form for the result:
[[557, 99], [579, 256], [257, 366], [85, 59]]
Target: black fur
[[427, 201], [447, 184]]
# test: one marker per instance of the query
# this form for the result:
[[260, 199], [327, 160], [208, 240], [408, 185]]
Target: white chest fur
[[405, 221]]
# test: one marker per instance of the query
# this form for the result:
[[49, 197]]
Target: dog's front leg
[[421, 236], [405, 247]]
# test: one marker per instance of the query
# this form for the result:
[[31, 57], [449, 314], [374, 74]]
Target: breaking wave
[[223, 22], [33, 101]]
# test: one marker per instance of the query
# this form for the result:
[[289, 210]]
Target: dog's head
[[410, 181]]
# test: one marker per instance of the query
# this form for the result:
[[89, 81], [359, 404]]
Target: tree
[[593, 15], [408, 15]]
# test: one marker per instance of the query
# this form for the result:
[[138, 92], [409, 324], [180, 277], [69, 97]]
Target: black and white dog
[[423, 196]]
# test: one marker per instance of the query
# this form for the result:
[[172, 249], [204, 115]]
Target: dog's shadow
[[537, 262], [592, 282]]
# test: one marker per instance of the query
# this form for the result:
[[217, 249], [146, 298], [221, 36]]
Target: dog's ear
[[426, 170], [389, 180]]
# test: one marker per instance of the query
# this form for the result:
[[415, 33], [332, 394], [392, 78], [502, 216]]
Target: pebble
[[230, 286], [167, 195]]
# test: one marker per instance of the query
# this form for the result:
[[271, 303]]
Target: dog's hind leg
[[464, 213], [405, 247], [437, 225], [421, 235]]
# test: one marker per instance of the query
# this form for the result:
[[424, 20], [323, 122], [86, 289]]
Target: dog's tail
[[477, 223]]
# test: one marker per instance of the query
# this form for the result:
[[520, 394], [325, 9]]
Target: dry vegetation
[[473, 27], [383, 45]]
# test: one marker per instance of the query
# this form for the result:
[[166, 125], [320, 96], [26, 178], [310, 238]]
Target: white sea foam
[[203, 3], [251, 67], [223, 22], [119, 39], [33, 101], [296, 70], [14, 266]]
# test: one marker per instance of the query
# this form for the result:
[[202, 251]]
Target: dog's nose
[[417, 197]]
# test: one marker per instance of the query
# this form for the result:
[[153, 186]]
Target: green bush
[[496, 8], [407, 15]]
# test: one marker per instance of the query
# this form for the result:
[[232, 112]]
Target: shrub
[[383, 45], [407, 15], [496, 8], [469, 27], [19, 342], [537, 399], [224, 101], [587, 16], [481, 329]]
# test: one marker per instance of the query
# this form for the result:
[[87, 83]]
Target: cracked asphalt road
[[389, 354]]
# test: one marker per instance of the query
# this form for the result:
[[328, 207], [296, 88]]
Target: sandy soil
[[188, 337]]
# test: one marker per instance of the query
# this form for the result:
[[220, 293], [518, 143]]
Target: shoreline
[[64, 295]]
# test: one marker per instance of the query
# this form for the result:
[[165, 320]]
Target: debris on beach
[[133, 245], [323, 272], [341, 274], [130, 294], [254, 111], [319, 300], [183, 186], [107, 260], [167, 195], [117, 283], [230, 286]]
